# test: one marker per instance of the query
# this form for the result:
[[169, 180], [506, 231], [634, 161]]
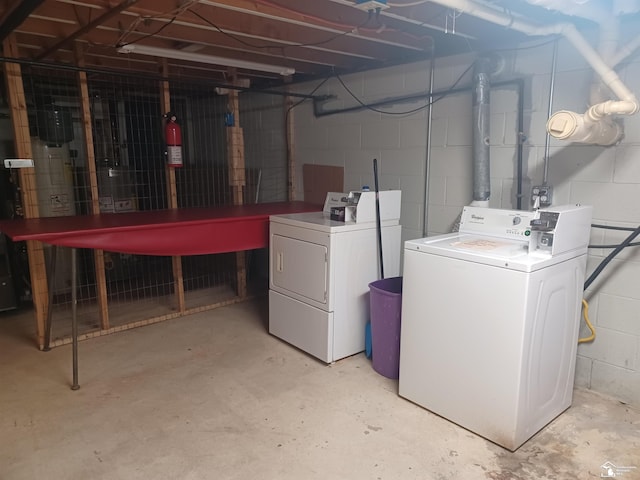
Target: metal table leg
[[50, 280], [74, 318]]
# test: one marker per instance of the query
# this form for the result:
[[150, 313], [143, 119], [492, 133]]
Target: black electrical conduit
[[518, 82]]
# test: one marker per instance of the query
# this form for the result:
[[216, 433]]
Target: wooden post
[[172, 191], [237, 179], [26, 177], [85, 112]]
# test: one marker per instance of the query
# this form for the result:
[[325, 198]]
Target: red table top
[[185, 231]]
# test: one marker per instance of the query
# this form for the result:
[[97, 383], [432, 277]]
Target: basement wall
[[606, 177]]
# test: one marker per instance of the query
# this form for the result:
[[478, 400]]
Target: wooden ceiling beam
[[293, 36], [244, 29], [173, 36], [329, 18], [325, 20], [112, 12], [14, 17], [99, 41]]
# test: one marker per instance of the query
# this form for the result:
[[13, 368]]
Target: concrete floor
[[213, 396]]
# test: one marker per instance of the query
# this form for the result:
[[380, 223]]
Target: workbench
[[171, 232]]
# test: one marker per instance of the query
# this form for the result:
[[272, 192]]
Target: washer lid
[[482, 246], [496, 251]]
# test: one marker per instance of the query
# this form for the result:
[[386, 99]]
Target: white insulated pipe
[[567, 125]]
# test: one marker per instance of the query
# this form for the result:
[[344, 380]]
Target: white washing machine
[[320, 270], [490, 319]]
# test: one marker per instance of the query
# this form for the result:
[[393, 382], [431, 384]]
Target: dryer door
[[299, 267]]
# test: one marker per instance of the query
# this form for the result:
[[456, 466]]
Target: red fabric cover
[[188, 231]]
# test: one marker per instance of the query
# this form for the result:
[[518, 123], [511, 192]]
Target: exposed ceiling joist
[[88, 27], [13, 18], [316, 38]]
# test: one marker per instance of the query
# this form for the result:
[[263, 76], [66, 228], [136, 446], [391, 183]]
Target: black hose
[[610, 257]]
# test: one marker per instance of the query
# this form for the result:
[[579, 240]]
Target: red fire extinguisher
[[173, 137]]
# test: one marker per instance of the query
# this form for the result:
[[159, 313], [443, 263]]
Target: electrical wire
[[613, 227], [325, 80], [173, 13], [617, 249], [286, 116], [412, 4], [281, 47], [304, 14], [634, 244], [152, 34], [585, 315], [627, 241], [407, 112]]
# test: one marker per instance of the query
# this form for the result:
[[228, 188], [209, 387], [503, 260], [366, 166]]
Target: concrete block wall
[[606, 177], [352, 140], [261, 118]]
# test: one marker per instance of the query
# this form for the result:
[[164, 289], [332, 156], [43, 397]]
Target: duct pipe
[[481, 140]]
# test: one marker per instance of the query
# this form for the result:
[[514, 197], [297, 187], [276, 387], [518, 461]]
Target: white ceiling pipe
[[609, 38], [625, 51], [592, 11], [608, 76], [627, 104], [606, 73]]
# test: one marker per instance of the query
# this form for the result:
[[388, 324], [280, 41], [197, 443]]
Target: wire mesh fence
[[127, 155]]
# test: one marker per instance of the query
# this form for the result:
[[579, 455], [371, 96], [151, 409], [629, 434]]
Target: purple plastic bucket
[[385, 298]]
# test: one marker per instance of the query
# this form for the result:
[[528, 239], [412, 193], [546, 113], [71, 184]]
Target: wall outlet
[[542, 192]]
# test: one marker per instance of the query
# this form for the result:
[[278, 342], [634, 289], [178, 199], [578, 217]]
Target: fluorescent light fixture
[[202, 58]]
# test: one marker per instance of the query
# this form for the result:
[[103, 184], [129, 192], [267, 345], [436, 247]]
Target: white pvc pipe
[[625, 51], [593, 12], [575, 127], [608, 76], [628, 103]]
